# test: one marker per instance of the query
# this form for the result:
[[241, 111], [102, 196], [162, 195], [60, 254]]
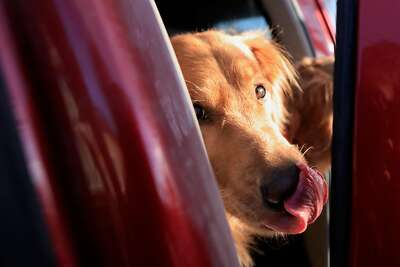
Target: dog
[[311, 111], [240, 86]]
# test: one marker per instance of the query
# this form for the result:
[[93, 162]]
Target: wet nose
[[279, 185]]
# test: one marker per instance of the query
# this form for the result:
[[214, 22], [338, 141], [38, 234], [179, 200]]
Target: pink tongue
[[309, 198]]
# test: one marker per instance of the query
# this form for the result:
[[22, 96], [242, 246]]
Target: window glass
[[330, 6], [243, 24]]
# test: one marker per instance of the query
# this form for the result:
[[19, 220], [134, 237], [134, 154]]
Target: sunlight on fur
[[254, 118]]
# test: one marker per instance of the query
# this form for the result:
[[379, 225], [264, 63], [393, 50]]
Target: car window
[[330, 6], [249, 18], [244, 24]]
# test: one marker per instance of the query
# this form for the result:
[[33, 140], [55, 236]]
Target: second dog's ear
[[311, 112]]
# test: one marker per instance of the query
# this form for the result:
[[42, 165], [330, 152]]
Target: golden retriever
[[240, 86], [311, 111]]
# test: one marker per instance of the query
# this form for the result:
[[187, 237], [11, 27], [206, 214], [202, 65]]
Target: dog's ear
[[311, 112]]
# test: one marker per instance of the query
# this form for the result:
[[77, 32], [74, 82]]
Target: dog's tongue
[[308, 200]]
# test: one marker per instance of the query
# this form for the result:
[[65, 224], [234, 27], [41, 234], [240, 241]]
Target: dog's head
[[237, 85]]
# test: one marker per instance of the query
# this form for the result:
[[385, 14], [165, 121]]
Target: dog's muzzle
[[298, 194]]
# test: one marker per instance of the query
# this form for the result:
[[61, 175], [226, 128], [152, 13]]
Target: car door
[[365, 173], [110, 144]]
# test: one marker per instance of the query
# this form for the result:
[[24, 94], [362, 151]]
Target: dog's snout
[[279, 185]]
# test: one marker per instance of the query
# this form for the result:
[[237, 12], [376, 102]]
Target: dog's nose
[[279, 185]]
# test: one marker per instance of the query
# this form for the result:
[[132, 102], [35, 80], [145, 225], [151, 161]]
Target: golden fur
[[244, 136], [311, 111]]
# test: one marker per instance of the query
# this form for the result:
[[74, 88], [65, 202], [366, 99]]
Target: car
[[96, 122]]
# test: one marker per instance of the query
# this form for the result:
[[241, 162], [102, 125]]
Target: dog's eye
[[200, 112], [260, 91]]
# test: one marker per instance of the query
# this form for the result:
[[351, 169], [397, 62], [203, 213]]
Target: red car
[[101, 159]]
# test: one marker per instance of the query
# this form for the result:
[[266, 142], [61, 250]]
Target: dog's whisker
[[308, 149], [301, 148]]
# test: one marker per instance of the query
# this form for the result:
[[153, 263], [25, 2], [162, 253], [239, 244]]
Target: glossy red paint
[[317, 24], [129, 164], [31, 136], [376, 175]]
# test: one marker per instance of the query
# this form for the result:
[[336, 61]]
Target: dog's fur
[[247, 138], [311, 111]]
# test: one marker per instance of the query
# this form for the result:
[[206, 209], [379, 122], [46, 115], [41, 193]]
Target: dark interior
[[24, 238], [187, 16]]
